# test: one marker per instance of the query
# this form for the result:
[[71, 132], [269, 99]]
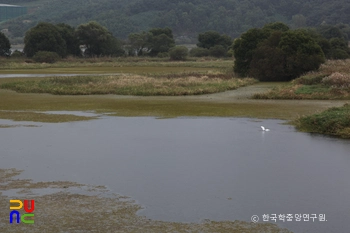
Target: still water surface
[[191, 169]]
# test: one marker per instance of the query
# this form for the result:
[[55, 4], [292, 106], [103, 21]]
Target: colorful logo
[[16, 205]]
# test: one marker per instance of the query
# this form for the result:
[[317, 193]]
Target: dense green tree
[[302, 53], [161, 40], [115, 47], [333, 48], [276, 55], [208, 39], [243, 49], [212, 38], [139, 43], [345, 29], [153, 42], [98, 40], [5, 45], [339, 54], [276, 26], [68, 34], [338, 43], [339, 49], [159, 31], [329, 32], [268, 60], [325, 46], [44, 37]]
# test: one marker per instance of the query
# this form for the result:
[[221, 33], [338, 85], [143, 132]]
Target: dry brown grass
[[337, 80], [332, 66]]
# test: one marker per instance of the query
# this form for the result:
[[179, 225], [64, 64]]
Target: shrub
[[44, 37], [217, 51], [276, 55], [46, 56], [17, 53], [339, 54], [178, 53], [229, 53], [199, 52], [334, 121], [243, 49], [162, 55]]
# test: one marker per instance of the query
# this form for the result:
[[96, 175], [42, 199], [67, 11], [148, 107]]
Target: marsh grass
[[25, 106], [334, 121], [170, 85], [20, 125], [332, 81], [41, 117], [312, 89], [27, 65]]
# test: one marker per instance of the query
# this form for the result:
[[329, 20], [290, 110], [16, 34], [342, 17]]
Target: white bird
[[264, 129]]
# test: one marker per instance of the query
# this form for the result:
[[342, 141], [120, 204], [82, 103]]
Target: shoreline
[[235, 103]]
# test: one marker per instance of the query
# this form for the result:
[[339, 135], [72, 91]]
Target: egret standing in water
[[264, 129]]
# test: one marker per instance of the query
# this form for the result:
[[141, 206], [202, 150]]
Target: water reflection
[[190, 169]]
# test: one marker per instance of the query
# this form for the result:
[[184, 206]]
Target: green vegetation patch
[[14, 126], [99, 65], [40, 117], [188, 84], [334, 121], [311, 89]]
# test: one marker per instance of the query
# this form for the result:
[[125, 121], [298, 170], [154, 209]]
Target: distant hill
[[185, 18]]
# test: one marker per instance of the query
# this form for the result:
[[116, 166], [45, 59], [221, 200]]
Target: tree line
[[92, 39], [186, 18], [271, 53]]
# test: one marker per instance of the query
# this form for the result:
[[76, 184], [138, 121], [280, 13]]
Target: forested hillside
[[185, 18]]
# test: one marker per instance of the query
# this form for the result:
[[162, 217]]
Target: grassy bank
[[167, 84], [111, 65], [334, 121], [332, 81]]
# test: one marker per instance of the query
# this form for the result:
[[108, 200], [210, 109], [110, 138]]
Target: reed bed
[[166, 85]]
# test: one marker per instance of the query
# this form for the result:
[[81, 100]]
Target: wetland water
[[191, 169]]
